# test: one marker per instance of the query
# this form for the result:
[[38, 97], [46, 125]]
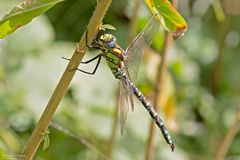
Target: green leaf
[[168, 16], [46, 140], [218, 10], [22, 14], [108, 26]]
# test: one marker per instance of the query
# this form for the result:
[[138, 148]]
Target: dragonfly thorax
[[107, 41]]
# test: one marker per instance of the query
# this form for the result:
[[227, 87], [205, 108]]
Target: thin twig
[[158, 92], [112, 139], [81, 140], [224, 147], [35, 139]]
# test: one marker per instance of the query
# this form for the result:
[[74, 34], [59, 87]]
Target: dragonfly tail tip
[[172, 147]]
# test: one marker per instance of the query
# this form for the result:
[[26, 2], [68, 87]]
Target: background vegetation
[[200, 95]]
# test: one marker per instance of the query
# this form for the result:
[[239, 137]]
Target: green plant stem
[[36, 137], [157, 99], [224, 147]]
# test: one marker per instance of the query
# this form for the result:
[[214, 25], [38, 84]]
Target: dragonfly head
[[107, 41]]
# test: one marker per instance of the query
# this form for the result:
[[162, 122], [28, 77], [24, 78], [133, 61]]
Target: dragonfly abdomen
[[147, 105]]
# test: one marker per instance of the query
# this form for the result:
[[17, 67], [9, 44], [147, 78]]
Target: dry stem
[[36, 137]]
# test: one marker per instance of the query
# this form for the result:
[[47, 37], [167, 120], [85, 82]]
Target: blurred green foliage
[[203, 70]]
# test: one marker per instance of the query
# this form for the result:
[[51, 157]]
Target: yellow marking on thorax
[[117, 51]]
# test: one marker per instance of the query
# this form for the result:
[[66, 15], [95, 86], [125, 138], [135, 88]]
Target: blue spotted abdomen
[[147, 105]]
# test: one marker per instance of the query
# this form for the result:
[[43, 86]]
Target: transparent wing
[[126, 99], [129, 92], [135, 50], [123, 105]]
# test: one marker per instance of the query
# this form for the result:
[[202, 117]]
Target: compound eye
[[111, 44]]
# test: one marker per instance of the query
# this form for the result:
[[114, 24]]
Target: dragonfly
[[124, 65]]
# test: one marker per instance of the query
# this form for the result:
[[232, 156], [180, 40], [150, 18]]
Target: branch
[[36, 137], [81, 140], [158, 92], [228, 139]]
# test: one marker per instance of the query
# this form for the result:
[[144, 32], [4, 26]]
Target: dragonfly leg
[[86, 62], [66, 58], [90, 60], [96, 46], [86, 39], [99, 56]]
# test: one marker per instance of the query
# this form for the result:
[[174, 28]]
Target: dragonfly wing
[[126, 98], [135, 50], [127, 83], [123, 105]]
